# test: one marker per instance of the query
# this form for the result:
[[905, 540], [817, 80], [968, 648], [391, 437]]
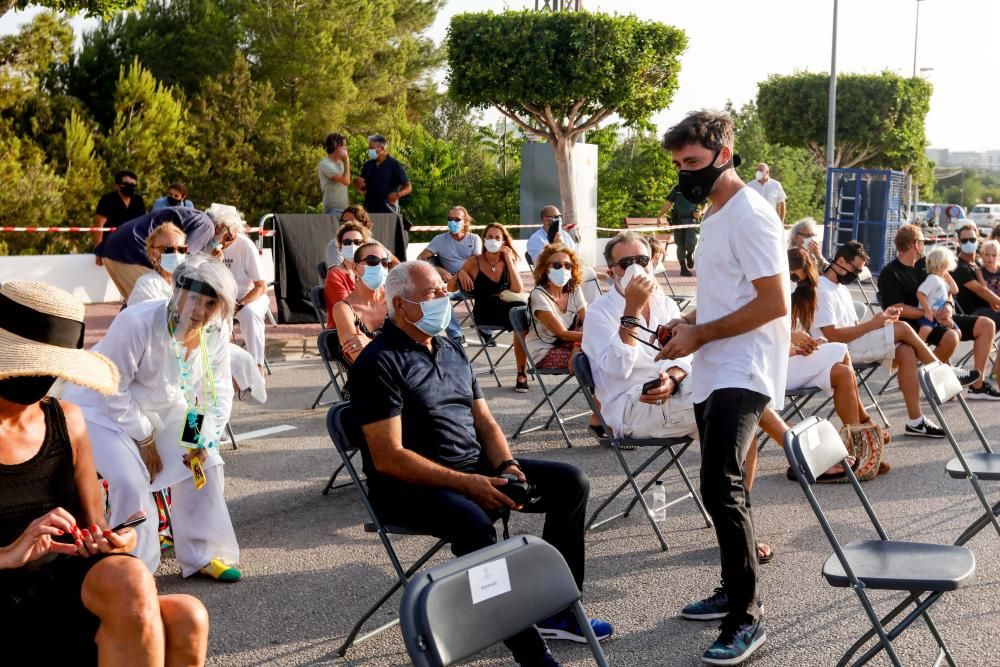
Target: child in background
[[937, 289], [990, 254]]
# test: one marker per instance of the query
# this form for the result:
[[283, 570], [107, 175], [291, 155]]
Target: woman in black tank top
[[56, 550]]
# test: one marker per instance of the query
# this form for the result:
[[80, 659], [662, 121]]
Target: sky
[[740, 43]]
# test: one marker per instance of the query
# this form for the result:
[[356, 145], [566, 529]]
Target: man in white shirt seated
[[614, 332], [769, 189]]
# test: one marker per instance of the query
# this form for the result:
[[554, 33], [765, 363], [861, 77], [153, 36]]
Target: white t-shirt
[[334, 193], [741, 242], [936, 290], [243, 260], [834, 307], [540, 239], [539, 339], [770, 190], [150, 286]]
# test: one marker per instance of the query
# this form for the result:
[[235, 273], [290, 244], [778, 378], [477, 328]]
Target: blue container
[[863, 205]]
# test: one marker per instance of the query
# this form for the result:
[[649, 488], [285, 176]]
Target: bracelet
[[629, 322], [506, 464], [686, 320], [146, 442]]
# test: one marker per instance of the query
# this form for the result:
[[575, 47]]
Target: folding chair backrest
[[470, 603], [346, 436], [939, 382], [581, 369], [328, 343], [321, 270], [318, 299], [531, 262], [861, 311], [813, 446]]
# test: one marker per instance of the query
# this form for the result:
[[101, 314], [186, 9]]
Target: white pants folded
[[673, 419], [251, 319]]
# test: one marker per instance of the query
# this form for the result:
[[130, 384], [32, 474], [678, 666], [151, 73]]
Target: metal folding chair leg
[[546, 398], [331, 485], [232, 436], [484, 339]]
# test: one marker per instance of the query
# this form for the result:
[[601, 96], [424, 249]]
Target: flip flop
[[768, 557]]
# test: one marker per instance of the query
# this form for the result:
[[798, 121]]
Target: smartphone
[[192, 428], [664, 334], [651, 385], [131, 523]]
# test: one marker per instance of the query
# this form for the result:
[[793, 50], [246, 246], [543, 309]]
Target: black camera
[[522, 493]]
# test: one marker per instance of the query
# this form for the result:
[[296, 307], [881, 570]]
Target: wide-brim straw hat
[[41, 333]]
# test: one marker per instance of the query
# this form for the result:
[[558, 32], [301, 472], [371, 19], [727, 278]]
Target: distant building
[[987, 160]]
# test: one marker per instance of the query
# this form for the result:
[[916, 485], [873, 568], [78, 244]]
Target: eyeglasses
[[352, 242], [375, 260], [806, 236], [170, 249], [560, 265], [625, 262]]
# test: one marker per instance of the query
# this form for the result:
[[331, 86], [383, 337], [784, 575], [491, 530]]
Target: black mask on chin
[[697, 184], [26, 390]]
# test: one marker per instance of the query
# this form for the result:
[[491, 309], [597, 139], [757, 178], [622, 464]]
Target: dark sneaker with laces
[[966, 376], [521, 384], [713, 607], [735, 646], [986, 392], [564, 626], [927, 429]]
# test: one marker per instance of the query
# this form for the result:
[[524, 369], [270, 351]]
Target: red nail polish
[[85, 532], [107, 533], [60, 532], [78, 543], [94, 529]]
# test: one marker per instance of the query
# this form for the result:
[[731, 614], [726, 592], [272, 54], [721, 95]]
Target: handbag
[[865, 442], [510, 296]]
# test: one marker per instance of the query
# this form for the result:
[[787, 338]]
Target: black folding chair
[[682, 300], [318, 300], [871, 302], [674, 448], [940, 386], [348, 439], [443, 619], [520, 321], [321, 270], [924, 571], [328, 343], [488, 335]]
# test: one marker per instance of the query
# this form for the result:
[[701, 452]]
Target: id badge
[[193, 421], [198, 473]]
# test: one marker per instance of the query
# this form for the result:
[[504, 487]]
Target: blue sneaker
[[713, 607], [733, 647], [564, 626]]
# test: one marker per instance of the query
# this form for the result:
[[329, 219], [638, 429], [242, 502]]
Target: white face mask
[[348, 252], [631, 272], [170, 261], [493, 245], [760, 175]]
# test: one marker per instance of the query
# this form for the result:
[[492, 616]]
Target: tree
[[880, 117], [558, 75], [83, 170], [89, 7], [635, 174]]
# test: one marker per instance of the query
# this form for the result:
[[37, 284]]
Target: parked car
[[923, 213], [985, 216]]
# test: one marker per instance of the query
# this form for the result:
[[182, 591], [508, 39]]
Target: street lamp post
[[916, 35], [831, 121]]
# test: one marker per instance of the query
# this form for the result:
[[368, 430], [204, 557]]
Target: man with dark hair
[[177, 195], [120, 205], [898, 285], [740, 336], [383, 180], [974, 297], [335, 174]]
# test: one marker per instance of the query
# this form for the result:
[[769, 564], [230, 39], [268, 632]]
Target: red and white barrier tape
[[38, 230], [271, 232]]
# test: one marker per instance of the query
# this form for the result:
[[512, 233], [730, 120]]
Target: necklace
[[194, 406]]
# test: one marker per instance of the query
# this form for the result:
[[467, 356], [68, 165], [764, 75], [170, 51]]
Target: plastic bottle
[[656, 500]]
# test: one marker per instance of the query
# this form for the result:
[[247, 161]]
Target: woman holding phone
[[63, 572]]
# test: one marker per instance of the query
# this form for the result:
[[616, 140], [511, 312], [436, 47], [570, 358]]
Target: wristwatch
[[506, 464]]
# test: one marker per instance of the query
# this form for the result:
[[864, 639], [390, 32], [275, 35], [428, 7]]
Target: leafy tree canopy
[[89, 7], [880, 117]]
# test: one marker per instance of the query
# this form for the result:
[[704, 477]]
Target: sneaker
[[733, 647], [685, 272], [546, 660], [927, 429], [564, 626], [521, 385], [986, 392], [965, 376], [711, 608], [219, 571]]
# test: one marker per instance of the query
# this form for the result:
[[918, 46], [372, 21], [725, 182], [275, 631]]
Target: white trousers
[[199, 518], [251, 319], [673, 419]]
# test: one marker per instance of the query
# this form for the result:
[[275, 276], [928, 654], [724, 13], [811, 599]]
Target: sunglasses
[[625, 262], [375, 260], [455, 220], [170, 249], [560, 265], [807, 236], [352, 242], [794, 278], [968, 240], [849, 269]]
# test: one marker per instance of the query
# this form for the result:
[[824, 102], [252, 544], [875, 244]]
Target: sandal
[[767, 551]]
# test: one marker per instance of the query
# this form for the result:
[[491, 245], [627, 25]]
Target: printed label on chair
[[489, 580]]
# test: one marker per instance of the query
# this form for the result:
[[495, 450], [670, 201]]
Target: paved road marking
[[260, 433]]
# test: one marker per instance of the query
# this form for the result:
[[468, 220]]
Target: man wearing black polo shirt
[[435, 452], [120, 205], [383, 179], [898, 285]]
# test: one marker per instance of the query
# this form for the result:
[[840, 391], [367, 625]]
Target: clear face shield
[[193, 307]]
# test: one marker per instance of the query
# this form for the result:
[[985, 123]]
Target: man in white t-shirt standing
[[769, 189], [740, 336], [240, 256]]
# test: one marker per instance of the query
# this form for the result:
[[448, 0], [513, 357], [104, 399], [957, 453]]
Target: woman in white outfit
[[162, 428]]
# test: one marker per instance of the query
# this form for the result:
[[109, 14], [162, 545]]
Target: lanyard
[[186, 379]]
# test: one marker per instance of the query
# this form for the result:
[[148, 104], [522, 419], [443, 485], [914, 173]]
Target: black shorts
[[966, 325]]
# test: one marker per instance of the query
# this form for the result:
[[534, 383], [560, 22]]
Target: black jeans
[[686, 240], [449, 515], [727, 421]]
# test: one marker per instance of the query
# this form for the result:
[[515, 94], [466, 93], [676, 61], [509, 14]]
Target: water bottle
[[656, 500]]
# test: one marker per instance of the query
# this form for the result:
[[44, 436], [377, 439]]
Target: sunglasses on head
[[170, 249], [641, 260], [375, 260], [352, 242], [560, 265]]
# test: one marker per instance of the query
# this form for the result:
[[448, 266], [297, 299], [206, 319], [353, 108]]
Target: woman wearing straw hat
[[63, 573], [161, 429]]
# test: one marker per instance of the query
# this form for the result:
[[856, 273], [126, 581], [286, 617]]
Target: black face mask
[[127, 189], [554, 228], [26, 390], [696, 184], [174, 202], [844, 278]]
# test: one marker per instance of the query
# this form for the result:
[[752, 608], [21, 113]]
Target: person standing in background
[[682, 212], [383, 180], [769, 189], [120, 205], [177, 195], [335, 174]]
